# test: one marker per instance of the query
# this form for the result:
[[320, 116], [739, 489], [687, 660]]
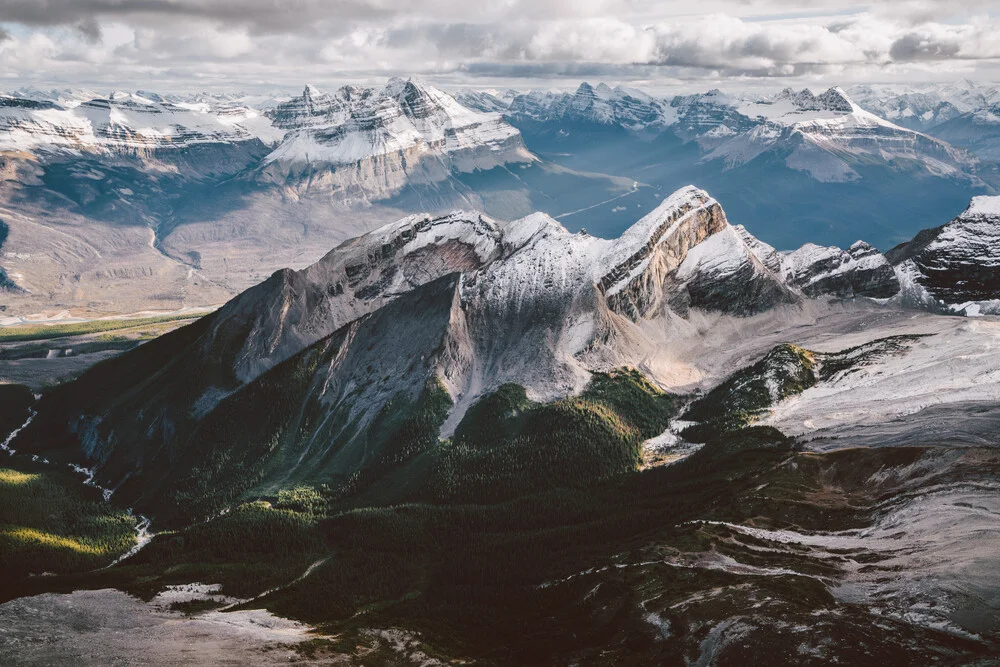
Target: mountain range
[[140, 201], [135, 201], [682, 440], [461, 304], [788, 162]]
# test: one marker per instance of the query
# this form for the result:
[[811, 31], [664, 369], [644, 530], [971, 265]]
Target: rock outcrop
[[861, 270], [955, 266]]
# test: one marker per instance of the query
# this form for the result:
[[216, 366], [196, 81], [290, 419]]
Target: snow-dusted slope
[[375, 141], [123, 123], [532, 273], [827, 136], [957, 265]]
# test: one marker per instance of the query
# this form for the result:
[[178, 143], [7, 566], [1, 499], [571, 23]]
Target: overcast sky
[[281, 44]]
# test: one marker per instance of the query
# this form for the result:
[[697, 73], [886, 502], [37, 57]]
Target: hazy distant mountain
[[797, 167], [978, 131], [926, 106]]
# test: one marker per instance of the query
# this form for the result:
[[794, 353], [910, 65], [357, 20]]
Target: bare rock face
[[956, 265], [861, 270], [725, 274], [705, 262], [298, 308], [600, 105]]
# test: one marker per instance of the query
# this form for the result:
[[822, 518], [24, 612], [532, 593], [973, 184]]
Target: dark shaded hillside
[[204, 440]]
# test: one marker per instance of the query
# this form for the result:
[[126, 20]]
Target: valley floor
[[108, 627], [868, 539], [43, 353]]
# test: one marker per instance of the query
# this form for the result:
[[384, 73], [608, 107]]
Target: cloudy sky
[[280, 44]]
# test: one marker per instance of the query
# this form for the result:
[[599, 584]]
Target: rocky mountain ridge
[[926, 106], [461, 301], [738, 128]]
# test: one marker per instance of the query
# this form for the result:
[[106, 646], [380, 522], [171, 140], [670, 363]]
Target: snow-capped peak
[[354, 124], [519, 232], [835, 99], [983, 206]]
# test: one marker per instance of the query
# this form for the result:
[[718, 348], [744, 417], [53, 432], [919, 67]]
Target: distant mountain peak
[[404, 122]]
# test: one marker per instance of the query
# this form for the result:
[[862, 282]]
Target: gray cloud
[[261, 15], [90, 29], [914, 46], [253, 42]]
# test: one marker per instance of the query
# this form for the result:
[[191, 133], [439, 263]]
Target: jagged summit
[[984, 206]]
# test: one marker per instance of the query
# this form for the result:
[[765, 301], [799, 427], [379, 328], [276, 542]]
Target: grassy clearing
[[50, 522], [29, 332]]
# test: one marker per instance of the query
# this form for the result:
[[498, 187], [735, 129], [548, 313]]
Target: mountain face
[[828, 136], [465, 304], [824, 152], [370, 143], [955, 266]]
